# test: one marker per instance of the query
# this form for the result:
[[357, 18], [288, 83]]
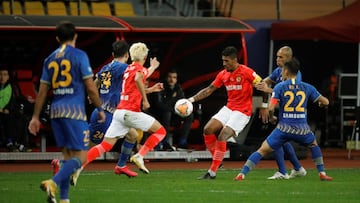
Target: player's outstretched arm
[[155, 88], [202, 94], [154, 64]]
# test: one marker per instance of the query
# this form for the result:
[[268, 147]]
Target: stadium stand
[[83, 10], [100, 8], [17, 8], [56, 8], [34, 8], [123, 9]]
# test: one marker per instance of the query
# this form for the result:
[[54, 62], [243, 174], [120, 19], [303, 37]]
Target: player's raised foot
[[74, 177], [324, 177], [49, 186], [279, 176], [55, 163], [239, 177], [139, 161], [125, 170], [207, 176], [298, 173]]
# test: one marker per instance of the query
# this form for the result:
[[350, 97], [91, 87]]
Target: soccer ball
[[183, 107]]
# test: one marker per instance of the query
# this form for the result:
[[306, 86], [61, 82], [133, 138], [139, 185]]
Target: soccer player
[[109, 83], [283, 55], [68, 73], [292, 95], [238, 80], [128, 116]]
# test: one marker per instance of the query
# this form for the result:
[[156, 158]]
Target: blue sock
[[280, 160], [253, 159], [126, 150], [316, 156], [68, 168], [290, 152], [64, 188]]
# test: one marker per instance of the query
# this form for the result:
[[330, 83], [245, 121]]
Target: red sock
[[220, 149], [153, 140], [96, 151], [210, 141]]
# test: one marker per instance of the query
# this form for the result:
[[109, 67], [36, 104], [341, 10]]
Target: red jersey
[[130, 98], [239, 87]]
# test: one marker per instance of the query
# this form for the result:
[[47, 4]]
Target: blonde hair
[[138, 51]]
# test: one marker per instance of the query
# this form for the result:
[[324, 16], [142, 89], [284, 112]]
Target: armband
[[274, 101], [191, 99], [264, 105], [100, 109]]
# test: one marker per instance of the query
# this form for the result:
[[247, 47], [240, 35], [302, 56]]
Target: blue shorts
[[277, 138], [98, 130], [71, 134]]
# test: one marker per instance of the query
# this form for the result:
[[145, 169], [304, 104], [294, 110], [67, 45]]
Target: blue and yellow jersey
[[110, 77], [293, 96], [276, 76], [64, 70]]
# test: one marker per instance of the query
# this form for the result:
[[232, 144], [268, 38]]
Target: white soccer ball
[[183, 107]]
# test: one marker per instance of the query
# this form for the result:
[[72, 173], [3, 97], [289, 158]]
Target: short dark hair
[[292, 66], [4, 68], [230, 51], [120, 48], [65, 31], [172, 71]]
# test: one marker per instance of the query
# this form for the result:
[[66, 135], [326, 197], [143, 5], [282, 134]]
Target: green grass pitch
[[172, 186]]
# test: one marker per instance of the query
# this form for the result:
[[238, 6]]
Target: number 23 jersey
[[64, 70]]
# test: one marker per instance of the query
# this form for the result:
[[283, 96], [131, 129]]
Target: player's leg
[[214, 125], [219, 153], [280, 161], [72, 163], [126, 150], [235, 123], [115, 131], [97, 131], [298, 170], [272, 142], [96, 151], [139, 139], [69, 133], [147, 123], [316, 155]]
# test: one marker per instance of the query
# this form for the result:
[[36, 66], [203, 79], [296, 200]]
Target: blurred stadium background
[[187, 35]]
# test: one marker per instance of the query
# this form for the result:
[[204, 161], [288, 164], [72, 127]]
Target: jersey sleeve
[[275, 74], [313, 93], [45, 78], [252, 75], [218, 80], [85, 67], [276, 92]]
